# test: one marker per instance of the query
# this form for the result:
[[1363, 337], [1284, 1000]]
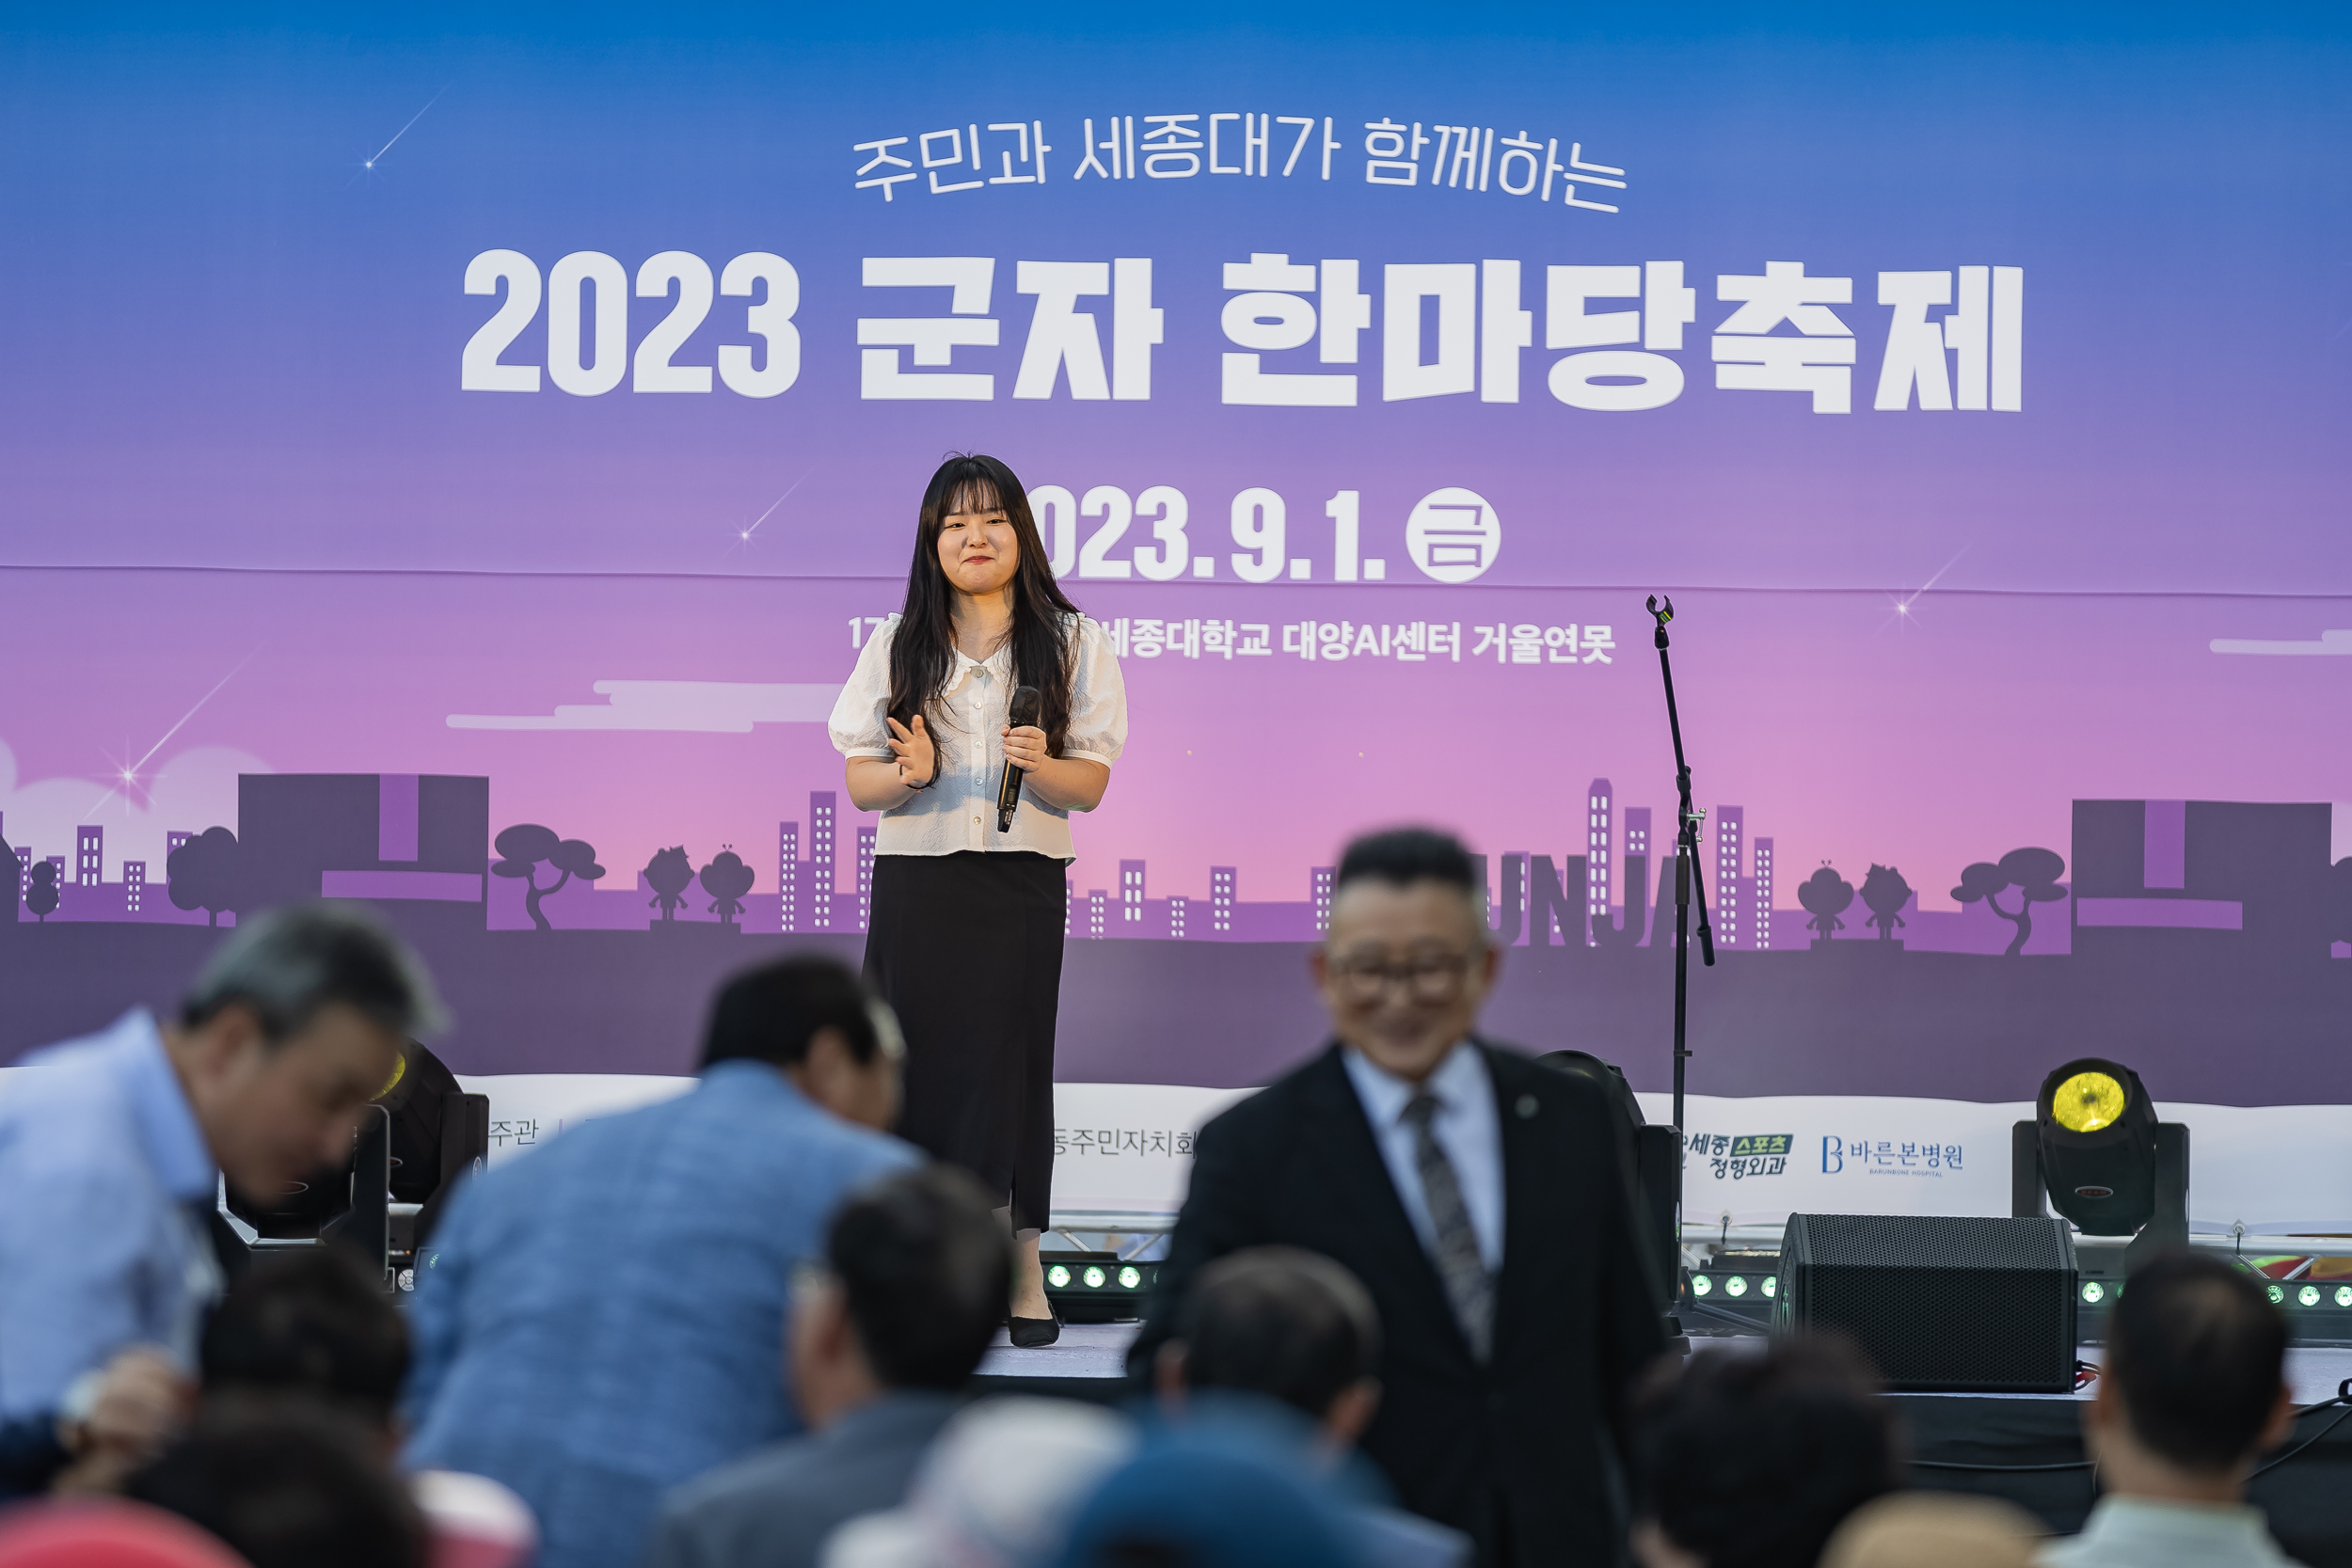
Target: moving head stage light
[[2097, 1151]]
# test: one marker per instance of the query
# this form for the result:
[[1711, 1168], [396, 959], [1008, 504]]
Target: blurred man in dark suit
[[1485, 1201]]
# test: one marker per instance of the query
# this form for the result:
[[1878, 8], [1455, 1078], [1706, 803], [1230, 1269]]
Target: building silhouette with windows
[[1727, 902], [1599, 799]]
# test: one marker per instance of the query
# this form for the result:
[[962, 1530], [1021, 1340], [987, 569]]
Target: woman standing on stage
[[965, 936]]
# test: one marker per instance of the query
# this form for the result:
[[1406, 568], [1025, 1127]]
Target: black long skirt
[[966, 948]]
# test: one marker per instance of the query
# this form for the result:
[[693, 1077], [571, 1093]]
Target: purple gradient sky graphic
[[231, 344]]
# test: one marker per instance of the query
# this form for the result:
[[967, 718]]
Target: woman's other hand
[[914, 752]]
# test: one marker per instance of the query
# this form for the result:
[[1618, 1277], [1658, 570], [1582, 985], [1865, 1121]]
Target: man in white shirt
[[1484, 1201], [2191, 1394]]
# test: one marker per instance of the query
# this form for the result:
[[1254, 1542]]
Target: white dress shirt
[[1466, 1127], [959, 811], [2144, 1532]]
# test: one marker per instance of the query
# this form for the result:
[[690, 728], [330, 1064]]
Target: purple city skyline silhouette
[[1526, 893]]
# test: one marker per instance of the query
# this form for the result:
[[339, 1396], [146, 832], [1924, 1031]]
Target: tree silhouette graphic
[[2034, 874], [41, 898], [726, 879], [1885, 891], [205, 873], [526, 844], [669, 874], [1826, 895]]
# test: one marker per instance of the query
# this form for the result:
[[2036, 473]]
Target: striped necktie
[[1469, 1288]]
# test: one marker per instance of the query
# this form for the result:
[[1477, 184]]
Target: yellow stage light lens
[[2087, 1101]]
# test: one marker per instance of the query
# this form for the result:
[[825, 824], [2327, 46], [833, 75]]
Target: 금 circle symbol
[[1454, 534]]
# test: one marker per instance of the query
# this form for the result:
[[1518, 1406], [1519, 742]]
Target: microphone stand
[[1687, 880]]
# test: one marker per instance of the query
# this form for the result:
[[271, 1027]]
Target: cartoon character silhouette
[[669, 874], [726, 879], [1826, 895], [1885, 891], [2034, 874], [525, 845]]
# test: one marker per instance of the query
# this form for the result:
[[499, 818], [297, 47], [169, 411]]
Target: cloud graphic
[[729, 707], [194, 790], [2329, 643]]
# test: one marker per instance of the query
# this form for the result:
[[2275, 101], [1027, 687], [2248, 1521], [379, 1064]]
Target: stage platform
[[2026, 1448]]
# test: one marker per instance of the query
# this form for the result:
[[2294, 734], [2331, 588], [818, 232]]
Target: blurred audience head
[[997, 1490], [1406, 962], [815, 1021], [912, 1290], [310, 1330], [1195, 1501], [1935, 1530], [290, 1029], [289, 1487], [1286, 1323], [2193, 1389], [310, 1322], [106, 1533], [1747, 1460]]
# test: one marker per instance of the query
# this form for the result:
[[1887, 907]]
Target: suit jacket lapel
[[1347, 1140]]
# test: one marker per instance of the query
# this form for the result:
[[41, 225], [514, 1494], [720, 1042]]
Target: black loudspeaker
[[1657, 1150], [1942, 1303]]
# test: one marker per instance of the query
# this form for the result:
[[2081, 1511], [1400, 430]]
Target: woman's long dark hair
[[922, 652]]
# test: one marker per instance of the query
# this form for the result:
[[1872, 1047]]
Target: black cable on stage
[[2005, 1469], [2344, 1397], [1722, 1315]]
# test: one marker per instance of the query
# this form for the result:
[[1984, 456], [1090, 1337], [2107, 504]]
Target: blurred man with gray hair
[[112, 1149]]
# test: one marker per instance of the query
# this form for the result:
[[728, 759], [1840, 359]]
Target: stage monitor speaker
[[1955, 1303]]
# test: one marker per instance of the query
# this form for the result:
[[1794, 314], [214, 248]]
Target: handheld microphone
[[1024, 711]]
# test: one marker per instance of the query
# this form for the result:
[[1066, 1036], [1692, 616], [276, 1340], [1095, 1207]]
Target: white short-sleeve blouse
[[959, 812]]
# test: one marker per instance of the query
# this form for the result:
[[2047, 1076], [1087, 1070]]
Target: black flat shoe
[[1033, 1332]]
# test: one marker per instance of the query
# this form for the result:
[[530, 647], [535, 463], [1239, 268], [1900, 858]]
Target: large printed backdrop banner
[[455, 467]]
